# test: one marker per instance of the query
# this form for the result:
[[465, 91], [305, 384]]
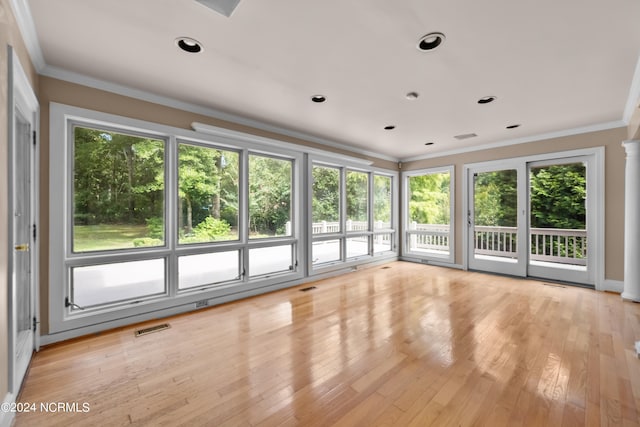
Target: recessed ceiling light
[[412, 95], [430, 41], [486, 99], [513, 126], [429, 143], [318, 98], [389, 127], [188, 44]]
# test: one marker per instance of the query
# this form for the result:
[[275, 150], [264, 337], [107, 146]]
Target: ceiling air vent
[[465, 136]]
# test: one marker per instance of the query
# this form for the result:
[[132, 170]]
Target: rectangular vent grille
[[553, 285], [203, 303], [310, 288], [152, 329], [465, 136]]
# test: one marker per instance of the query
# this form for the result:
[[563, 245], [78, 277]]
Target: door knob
[[22, 248]]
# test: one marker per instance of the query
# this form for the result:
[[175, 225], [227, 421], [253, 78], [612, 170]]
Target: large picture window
[[352, 215], [157, 216]]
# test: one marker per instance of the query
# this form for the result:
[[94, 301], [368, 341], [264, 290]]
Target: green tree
[[117, 177], [326, 194], [357, 196], [558, 195], [207, 185], [382, 202], [429, 199], [496, 198], [269, 194]]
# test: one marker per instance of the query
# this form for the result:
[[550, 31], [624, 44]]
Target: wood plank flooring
[[404, 345]]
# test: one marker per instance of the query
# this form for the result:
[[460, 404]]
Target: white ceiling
[[554, 66]]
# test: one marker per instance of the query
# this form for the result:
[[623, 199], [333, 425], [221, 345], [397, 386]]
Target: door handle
[[22, 248]]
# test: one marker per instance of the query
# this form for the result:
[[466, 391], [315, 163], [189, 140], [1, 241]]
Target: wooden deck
[[400, 345]]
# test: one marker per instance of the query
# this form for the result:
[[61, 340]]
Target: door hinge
[[35, 232], [35, 323], [35, 137]]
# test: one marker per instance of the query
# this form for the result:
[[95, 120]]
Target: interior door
[[496, 220], [23, 298], [22, 119]]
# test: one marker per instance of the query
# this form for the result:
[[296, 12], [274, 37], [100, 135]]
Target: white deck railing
[[563, 246], [325, 227], [334, 227]]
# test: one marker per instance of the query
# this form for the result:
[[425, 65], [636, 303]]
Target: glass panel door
[[558, 220], [494, 217]]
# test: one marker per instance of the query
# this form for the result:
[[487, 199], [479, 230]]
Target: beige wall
[[614, 184], [9, 35]]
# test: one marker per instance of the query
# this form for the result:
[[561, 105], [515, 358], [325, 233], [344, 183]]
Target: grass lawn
[[106, 236]]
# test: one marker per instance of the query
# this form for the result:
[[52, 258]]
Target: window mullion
[[243, 214], [171, 213], [370, 212], [343, 214]]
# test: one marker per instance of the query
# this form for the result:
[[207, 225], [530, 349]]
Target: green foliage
[[147, 241], [326, 194], [269, 194], [212, 229], [496, 198], [558, 195], [382, 202], [155, 226], [429, 200], [357, 196], [207, 185], [118, 178]]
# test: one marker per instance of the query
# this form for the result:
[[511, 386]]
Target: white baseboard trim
[[6, 417], [616, 286]]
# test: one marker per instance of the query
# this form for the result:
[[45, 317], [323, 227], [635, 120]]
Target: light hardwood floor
[[399, 345]]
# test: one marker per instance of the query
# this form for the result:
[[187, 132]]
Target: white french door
[[496, 219], [561, 219], [536, 217]]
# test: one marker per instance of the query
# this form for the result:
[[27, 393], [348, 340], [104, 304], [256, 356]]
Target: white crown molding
[[634, 95], [227, 133], [72, 77], [27, 27], [523, 140]]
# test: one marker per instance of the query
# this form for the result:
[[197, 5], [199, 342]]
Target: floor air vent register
[[151, 329]]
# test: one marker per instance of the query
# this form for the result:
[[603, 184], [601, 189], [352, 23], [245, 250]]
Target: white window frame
[[63, 320], [407, 232], [343, 235]]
